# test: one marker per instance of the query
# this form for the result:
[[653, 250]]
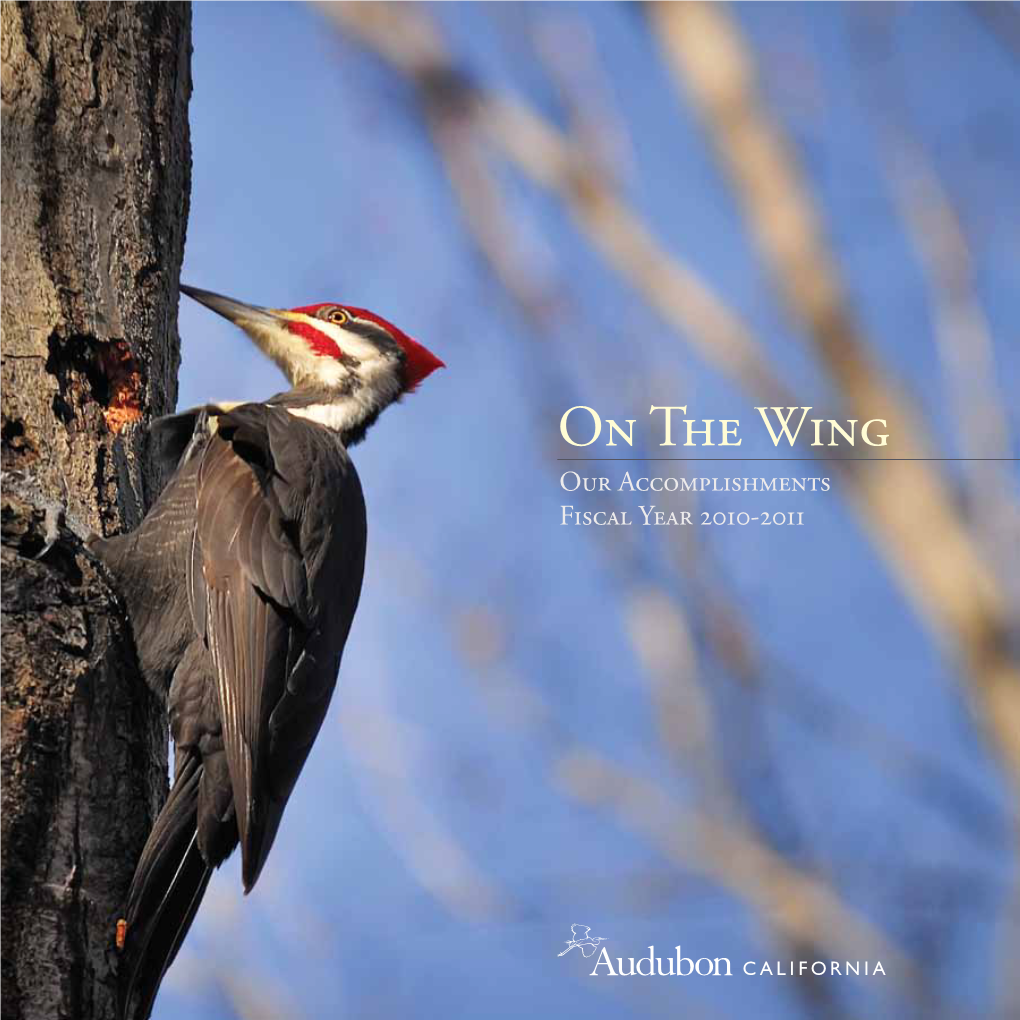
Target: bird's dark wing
[[261, 600]]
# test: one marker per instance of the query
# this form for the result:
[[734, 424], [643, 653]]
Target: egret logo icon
[[582, 940]]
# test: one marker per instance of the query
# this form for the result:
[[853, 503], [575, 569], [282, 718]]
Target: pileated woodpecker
[[241, 585]]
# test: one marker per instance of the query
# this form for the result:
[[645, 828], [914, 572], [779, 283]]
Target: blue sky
[[430, 861]]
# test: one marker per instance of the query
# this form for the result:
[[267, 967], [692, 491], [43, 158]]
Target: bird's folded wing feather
[[250, 586]]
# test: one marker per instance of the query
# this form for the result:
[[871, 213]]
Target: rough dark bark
[[96, 169]]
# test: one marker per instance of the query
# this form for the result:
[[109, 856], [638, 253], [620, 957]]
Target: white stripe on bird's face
[[291, 353], [375, 370]]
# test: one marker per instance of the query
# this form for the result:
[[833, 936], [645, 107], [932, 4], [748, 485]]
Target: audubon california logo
[[582, 940], [720, 966]]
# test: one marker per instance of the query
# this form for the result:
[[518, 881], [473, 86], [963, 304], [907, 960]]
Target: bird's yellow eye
[[338, 316]]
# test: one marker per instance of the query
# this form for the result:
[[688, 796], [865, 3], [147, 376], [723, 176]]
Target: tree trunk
[[96, 174]]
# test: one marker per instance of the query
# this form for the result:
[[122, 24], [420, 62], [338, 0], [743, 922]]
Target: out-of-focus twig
[[1002, 21], [964, 341], [965, 347], [803, 908], [380, 745], [565, 43], [909, 510], [459, 114], [719, 846], [658, 625], [407, 38]]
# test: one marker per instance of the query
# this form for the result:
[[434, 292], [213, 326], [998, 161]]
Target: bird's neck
[[347, 411]]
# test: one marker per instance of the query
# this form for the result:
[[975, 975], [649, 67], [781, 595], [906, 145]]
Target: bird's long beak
[[245, 316]]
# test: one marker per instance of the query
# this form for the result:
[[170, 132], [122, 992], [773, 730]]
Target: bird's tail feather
[[166, 891]]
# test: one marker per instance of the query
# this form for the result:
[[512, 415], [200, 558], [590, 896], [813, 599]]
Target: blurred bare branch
[[406, 37], [935, 560], [384, 750], [566, 45], [802, 907], [909, 511], [1003, 22], [981, 623], [252, 999], [966, 351]]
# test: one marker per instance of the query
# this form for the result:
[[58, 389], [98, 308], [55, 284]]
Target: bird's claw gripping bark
[[56, 516], [57, 519]]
